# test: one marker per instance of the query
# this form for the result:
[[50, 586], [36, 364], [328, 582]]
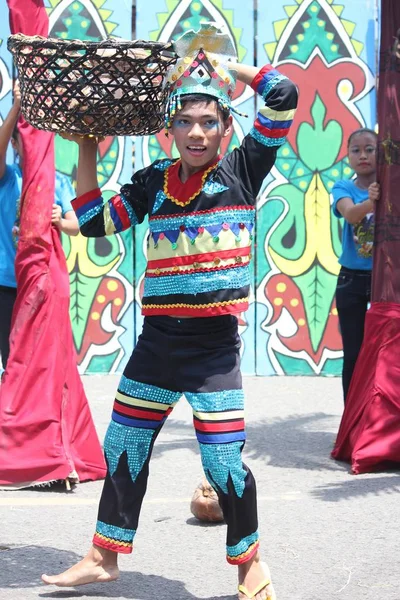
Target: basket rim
[[18, 40]]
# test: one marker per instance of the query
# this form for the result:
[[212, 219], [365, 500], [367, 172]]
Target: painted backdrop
[[327, 48]]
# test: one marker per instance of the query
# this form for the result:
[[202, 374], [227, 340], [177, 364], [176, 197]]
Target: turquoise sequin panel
[[134, 441], [266, 141], [197, 283], [243, 545], [115, 533], [221, 461], [213, 187], [203, 220], [271, 84], [216, 401], [160, 198], [91, 213], [163, 165], [145, 391]]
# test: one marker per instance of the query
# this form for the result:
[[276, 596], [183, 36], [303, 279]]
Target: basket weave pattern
[[111, 87]]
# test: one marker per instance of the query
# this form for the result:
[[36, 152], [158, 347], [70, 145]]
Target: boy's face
[[198, 129]]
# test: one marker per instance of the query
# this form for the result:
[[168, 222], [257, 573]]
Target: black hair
[[361, 130], [186, 98]]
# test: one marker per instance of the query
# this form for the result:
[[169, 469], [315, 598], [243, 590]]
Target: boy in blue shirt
[[63, 217]]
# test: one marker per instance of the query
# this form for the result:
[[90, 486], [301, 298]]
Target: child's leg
[[213, 387], [139, 412], [219, 424]]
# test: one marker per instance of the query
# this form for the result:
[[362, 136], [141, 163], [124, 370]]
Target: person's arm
[[96, 216], [257, 153], [245, 73], [7, 129], [354, 213], [68, 223], [86, 178]]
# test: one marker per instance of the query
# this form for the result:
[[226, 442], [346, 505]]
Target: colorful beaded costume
[[199, 251]]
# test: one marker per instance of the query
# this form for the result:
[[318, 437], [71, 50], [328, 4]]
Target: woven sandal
[[261, 586]]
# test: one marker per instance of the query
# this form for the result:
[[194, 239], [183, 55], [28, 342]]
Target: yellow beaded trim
[[108, 539], [197, 306], [175, 200]]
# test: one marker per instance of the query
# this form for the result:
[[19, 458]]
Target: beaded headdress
[[202, 68]]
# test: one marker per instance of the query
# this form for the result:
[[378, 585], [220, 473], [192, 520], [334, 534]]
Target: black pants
[[353, 293], [7, 300], [198, 358]]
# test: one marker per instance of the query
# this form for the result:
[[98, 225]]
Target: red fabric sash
[[46, 429]]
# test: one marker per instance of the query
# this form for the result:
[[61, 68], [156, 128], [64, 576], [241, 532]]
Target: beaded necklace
[[189, 190]]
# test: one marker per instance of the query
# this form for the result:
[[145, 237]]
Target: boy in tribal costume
[[201, 210]]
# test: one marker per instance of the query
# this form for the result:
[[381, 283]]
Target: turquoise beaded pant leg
[[139, 412], [219, 424], [200, 358]]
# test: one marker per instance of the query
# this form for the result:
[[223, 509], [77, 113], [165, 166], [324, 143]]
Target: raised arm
[[7, 128], [245, 73], [86, 178], [257, 153], [96, 216]]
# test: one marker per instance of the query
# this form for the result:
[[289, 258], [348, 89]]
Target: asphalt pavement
[[325, 533]]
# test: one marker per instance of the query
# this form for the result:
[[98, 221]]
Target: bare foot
[[251, 576], [99, 565]]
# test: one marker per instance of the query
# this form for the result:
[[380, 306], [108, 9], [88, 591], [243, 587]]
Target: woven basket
[[111, 87]]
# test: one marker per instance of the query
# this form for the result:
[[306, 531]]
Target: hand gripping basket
[[111, 87]]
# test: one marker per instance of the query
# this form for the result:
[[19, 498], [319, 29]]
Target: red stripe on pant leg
[[141, 414], [219, 427]]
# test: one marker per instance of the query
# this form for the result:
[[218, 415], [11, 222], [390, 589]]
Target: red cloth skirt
[[369, 433]]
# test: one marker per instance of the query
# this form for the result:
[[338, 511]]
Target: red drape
[[46, 428], [369, 433]]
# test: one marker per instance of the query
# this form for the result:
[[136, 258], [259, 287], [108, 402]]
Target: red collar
[[183, 193]]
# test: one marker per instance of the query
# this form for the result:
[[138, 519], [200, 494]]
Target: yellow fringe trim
[[197, 306], [108, 539]]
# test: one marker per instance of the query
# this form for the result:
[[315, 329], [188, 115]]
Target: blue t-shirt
[[356, 239], [10, 192]]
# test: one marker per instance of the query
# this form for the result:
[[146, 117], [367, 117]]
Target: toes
[[47, 579]]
